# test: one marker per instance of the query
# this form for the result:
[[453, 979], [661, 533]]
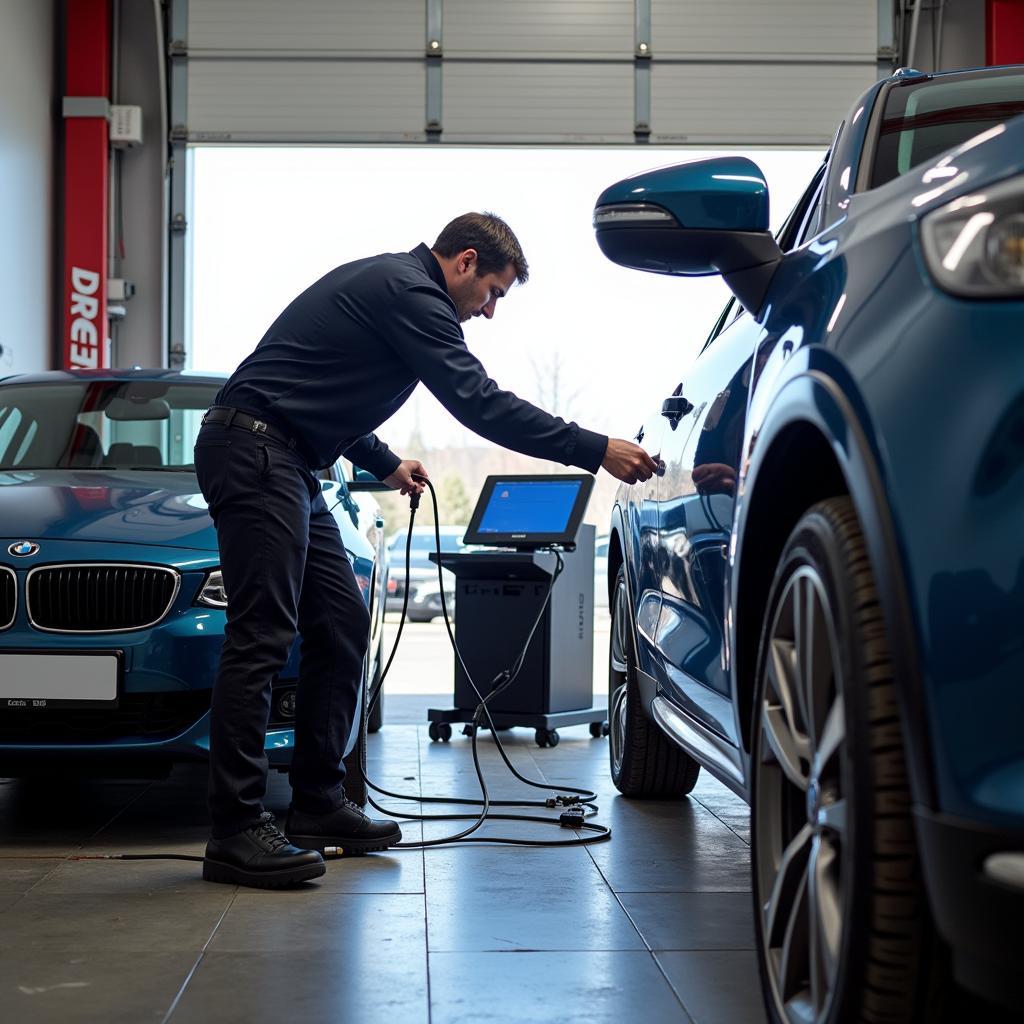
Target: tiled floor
[[654, 925]]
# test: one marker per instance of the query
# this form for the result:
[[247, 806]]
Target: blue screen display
[[530, 506]]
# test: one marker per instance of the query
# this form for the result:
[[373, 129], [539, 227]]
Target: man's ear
[[467, 260]]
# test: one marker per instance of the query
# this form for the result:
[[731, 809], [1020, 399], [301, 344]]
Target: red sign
[[86, 169]]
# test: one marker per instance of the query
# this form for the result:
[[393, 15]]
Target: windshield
[[921, 120], [124, 424]]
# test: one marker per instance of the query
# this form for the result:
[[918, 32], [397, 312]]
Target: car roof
[[115, 374]]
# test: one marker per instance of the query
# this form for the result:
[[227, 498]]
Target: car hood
[[106, 506]]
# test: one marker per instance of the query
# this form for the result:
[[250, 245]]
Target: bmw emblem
[[23, 548]]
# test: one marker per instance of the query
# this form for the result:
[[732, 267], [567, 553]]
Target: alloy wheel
[[802, 795], [618, 677]]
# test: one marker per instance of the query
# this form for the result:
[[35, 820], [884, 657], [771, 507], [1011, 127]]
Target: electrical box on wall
[[125, 125]]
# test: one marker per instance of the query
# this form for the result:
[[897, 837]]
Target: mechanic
[[341, 359]]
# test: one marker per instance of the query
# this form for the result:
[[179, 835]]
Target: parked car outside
[[424, 592], [112, 605], [819, 599]]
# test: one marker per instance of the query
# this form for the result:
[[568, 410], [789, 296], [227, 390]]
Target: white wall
[[27, 127]]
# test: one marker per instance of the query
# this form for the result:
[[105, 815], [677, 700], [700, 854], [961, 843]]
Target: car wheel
[[375, 719], [840, 914], [644, 761]]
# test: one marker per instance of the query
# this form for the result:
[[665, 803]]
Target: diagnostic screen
[[529, 506]]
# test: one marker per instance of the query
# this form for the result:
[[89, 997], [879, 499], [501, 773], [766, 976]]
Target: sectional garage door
[[520, 71]]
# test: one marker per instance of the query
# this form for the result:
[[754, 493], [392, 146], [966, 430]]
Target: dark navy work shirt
[[348, 352]]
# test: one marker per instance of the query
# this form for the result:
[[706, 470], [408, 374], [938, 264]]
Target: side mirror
[[364, 481], [693, 220]]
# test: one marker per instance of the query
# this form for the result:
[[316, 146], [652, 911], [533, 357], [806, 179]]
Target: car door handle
[[676, 407]]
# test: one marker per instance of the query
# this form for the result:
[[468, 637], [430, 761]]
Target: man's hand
[[401, 479], [628, 462]]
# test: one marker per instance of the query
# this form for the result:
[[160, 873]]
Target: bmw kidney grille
[[94, 598]]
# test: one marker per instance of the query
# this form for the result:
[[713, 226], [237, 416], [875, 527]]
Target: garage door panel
[[584, 28], [303, 100], [753, 103], [782, 29], [383, 26], [538, 102]]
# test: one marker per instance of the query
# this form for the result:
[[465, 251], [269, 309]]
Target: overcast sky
[[268, 222]]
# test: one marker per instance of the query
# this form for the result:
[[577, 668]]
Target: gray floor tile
[[357, 984], [127, 923], [372, 925], [18, 875], [692, 920], [129, 878], [8, 900], [570, 988], [717, 987], [688, 850], [521, 899], [87, 987]]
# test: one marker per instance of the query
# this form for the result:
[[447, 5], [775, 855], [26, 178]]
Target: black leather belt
[[229, 417]]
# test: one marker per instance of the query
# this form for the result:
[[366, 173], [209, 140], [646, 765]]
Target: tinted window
[[137, 424], [923, 119]]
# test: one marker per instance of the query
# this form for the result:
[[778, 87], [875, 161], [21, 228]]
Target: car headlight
[[974, 245], [212, 593]]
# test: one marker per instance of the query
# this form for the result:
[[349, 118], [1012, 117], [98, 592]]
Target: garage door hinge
[[176, 356], [177, 48], [178, 224], [179, 133]]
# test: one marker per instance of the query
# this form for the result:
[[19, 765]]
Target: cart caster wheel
[[546, 737], [440, 731], [598, 729]]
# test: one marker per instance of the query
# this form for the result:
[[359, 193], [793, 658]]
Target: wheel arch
[[813, 445]]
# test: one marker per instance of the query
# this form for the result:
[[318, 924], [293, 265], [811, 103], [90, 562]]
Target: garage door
[[532, 71]]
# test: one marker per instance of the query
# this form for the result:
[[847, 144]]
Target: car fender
[[820, 396]]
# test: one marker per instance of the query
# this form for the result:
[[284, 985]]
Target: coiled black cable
[[581, 798]]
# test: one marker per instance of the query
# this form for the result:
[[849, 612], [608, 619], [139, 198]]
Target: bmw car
[[112, 605], [819, 597]]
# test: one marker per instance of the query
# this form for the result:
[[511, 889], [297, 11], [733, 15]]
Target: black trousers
[[285, 572]]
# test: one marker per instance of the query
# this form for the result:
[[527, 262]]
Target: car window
[[119, 424], [923, 118], [789, 233], [811, 223]]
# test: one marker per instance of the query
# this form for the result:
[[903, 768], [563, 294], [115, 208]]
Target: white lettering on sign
[[84, 351]]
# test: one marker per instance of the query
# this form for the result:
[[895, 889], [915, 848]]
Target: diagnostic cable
[[578, 806]]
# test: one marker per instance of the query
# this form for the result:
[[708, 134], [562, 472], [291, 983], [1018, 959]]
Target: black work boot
[[346, 827], [260, 856]]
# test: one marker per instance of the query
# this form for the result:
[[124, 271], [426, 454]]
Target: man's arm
[[373, 455], [423, 331]]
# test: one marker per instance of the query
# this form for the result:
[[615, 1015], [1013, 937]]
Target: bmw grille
[[99, 598]]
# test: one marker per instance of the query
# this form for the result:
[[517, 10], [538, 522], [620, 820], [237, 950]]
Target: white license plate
[[33, 680]]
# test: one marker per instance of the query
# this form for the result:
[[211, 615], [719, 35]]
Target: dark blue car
[[820, 599], [112, 605]]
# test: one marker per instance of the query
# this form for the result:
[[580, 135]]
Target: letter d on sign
[[85, 282]]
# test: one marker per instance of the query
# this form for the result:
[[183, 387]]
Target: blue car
[[112, 606], [819, 598]]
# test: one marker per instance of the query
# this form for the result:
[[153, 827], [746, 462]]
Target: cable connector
[[572, 818], [333, 851], [567, 801]]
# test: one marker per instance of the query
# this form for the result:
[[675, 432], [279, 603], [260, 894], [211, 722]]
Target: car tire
[[841, 919], [375, 719], [644, 761]]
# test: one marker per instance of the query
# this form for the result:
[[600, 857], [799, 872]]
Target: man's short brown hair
[[495, 244]]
